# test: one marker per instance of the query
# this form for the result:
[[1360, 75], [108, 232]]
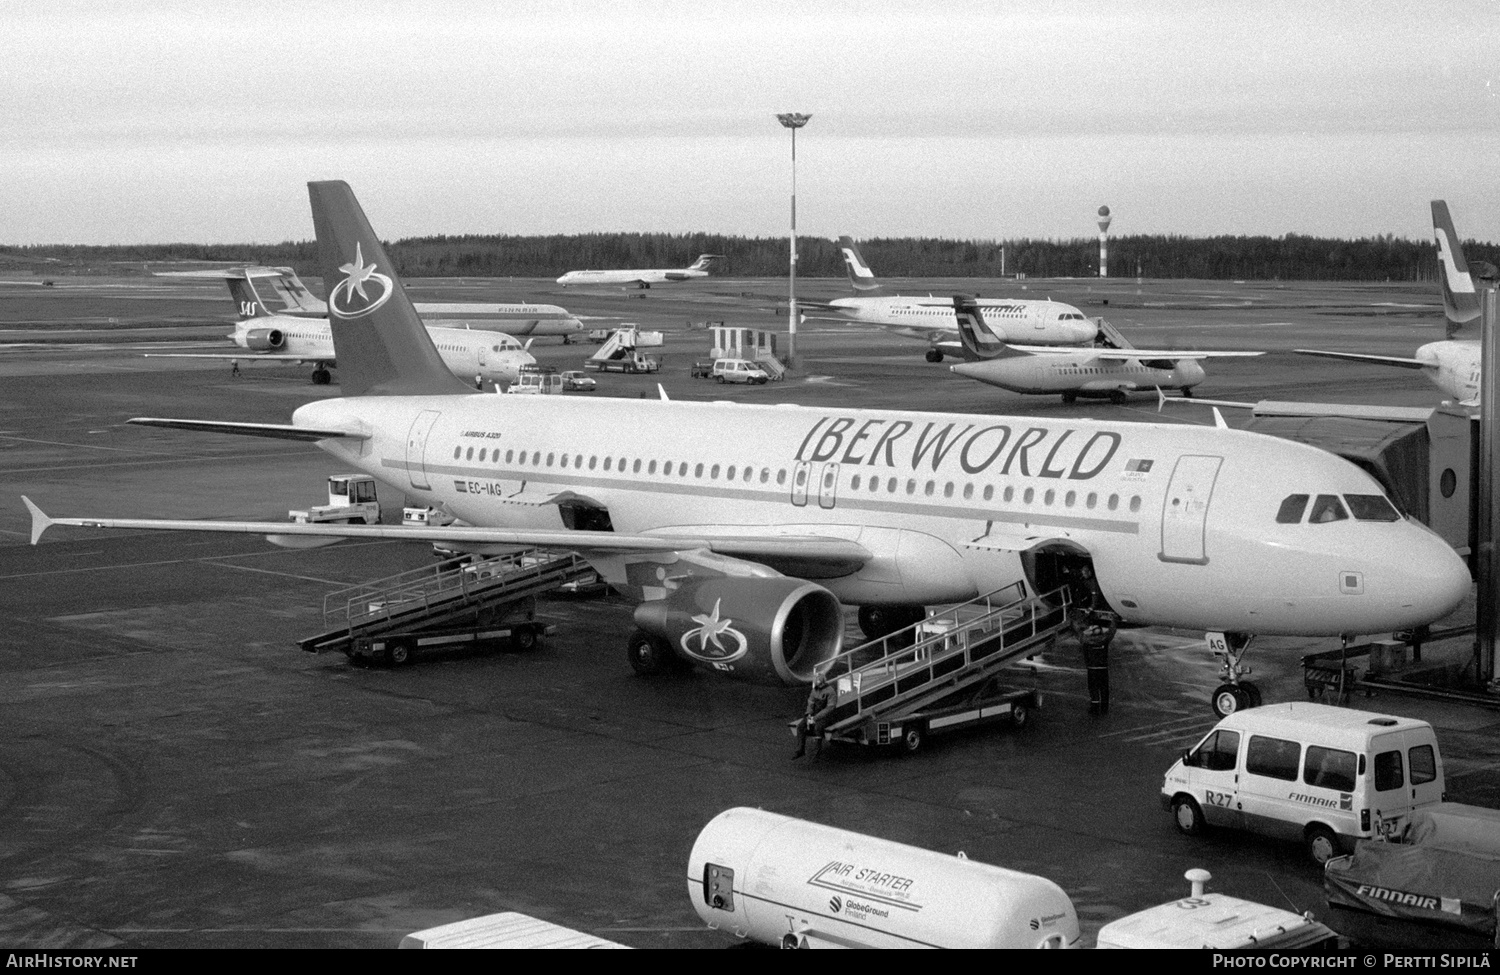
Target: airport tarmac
[[174, 772]]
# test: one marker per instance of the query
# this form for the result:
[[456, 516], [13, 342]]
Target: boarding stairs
[[1110, 337], [620, 344], [766, 359], [878, 684], [444, 596]]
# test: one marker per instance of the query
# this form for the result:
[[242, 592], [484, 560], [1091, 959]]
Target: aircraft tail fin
[[860, 275], [979, 340], [1460, 301], [704, 262], [382, 348], [294, 295]]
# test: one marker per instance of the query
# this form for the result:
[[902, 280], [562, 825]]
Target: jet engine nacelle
[[264, 339], [769, 631]]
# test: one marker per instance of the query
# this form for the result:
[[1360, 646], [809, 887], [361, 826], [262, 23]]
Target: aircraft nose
[[1436, 578]]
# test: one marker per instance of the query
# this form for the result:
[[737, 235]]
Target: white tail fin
[[1460, 302], [860, 275]]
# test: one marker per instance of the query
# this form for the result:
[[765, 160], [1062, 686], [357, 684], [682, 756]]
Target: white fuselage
[[1080, 373], [1181, 523], [1025, 321], [645, 277], [470, 354], [525, 319]]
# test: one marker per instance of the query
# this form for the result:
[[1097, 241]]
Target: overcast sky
[[156, 121]]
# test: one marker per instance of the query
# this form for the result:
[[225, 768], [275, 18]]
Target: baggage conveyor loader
[[936, 675]]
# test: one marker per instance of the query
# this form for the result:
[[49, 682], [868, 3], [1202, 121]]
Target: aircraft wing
[[1121, 355], [831, 554], [275, 431], [1385, 360], [1354, 411], [238, 272]]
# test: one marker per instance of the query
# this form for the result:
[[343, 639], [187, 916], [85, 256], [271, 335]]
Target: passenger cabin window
[[1291, 509], [1275, 758], [1423, 764], [1327, 508], [1371, 507], [1388, 772], [1217, 753], [1329, 768]]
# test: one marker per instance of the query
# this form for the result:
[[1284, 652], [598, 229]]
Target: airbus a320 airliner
[[762, 520]]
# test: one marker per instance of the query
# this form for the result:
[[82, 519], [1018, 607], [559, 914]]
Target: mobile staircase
[[934, 675], [443, 605]]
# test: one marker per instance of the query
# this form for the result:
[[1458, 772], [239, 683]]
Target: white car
[[576, 380], [739, 371]]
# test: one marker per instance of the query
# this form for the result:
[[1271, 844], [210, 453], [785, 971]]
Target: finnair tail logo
[[1459, 282], [857, 266], [349, 299]]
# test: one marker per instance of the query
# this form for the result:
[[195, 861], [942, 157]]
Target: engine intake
[[264, 339], [769, 631]]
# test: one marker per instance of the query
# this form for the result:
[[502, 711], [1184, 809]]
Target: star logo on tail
[[349, 298]]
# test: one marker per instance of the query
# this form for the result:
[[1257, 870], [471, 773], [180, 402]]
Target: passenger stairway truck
[[935, 675], [621, 352], [444, 605]]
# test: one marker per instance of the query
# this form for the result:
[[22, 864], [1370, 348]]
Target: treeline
[[1291, 257]]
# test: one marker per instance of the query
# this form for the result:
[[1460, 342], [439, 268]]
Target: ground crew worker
[[234, 367], [1095, 631]]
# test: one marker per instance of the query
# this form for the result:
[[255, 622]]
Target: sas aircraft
[[261, 292], [487, 357], [1096, 372], [930, 319], [744, 528], [1451, 365], [644, 278]]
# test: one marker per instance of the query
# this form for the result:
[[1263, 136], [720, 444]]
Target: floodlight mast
[[793, 121]]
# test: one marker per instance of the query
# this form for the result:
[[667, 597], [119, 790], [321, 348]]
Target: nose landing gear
[[1233, 694]]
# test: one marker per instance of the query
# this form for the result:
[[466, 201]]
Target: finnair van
[[1322, 776]]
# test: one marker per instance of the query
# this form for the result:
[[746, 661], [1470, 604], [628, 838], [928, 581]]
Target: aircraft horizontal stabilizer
[[275, 431], [228, 273], [1387, 360], [241, 356]]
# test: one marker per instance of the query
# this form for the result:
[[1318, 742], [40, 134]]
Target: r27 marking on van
[[1217, 798]]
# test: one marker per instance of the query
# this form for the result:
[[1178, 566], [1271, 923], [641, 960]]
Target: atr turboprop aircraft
[[930, 319], [1097, 372], [643, 278], [1451, 365], [484, 357], [289, 297], [744, 527]]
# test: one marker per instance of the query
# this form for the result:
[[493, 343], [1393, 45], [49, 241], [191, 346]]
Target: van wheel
[[1322, 844], [1229, 698], [1187, 816]]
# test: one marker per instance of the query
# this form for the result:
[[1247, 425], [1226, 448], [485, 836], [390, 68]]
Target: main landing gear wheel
[[879, 621], [934, 355], [1070, 397], [1117, 397], [321, 377], [649, 655]]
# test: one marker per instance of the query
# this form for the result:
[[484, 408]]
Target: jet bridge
[[444, 604], [932, 674]]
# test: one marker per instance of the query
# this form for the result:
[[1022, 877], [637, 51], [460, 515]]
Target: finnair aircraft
[[289, 297], [744, 527], [484, 357], [930, 319], [1099, 372], [1453, 364], [645, 278]]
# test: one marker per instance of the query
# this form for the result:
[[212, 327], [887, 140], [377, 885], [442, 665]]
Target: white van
[[1320, 775], [739, 371]]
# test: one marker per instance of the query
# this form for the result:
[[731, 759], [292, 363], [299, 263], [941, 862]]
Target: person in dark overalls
[[1095, 631]]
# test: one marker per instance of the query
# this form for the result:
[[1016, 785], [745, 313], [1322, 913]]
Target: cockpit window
[[1327, 508], [1291, 509], [1371, 507]]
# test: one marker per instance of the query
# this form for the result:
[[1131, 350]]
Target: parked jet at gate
[[1097, 372], [930, 319], [1451, 365], [289, 297], [744, 527], [484, 357], [642, 279]]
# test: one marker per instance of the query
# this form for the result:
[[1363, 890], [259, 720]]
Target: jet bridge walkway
[[936, 673], [437, 603]]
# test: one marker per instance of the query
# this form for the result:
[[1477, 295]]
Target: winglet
[[1219, 420], [1161, 399], [663, 392], [39, 520]]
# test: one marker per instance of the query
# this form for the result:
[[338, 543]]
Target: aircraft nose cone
[[1437, 579]]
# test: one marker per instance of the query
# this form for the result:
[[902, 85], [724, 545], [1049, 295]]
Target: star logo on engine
[[711, 628], [349, 298]]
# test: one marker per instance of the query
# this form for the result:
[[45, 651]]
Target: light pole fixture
[[793, 121]]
